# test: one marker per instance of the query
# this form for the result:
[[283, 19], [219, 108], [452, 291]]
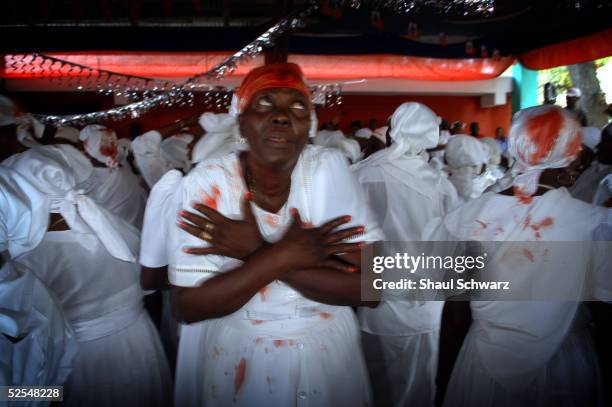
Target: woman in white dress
[[86, 258], [532, 353], [37, 345], [270, 284]]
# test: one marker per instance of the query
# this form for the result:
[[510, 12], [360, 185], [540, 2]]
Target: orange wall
[[452, 108]]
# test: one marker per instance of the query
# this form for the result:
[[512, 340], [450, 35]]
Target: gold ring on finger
[[209, 227], [205, 235]]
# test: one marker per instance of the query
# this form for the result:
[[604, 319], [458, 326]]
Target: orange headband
[[286, 75]]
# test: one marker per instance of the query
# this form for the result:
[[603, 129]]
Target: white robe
[[43, 346], [401, 334], [120, 360], [280, 348], [528, 352]]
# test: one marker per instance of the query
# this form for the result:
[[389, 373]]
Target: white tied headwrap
[[222, 137], [541, 137], [414, 128], [24, 213], [175, 150], [55, 171], [100, 143], [335, 139], [147, 157], [364, 133], [465, 156], [29, 130]]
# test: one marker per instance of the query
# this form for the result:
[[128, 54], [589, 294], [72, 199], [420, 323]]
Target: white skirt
[[570, 378], [125, 368], [308, 361]]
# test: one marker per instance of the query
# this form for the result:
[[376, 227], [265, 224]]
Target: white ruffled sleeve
[[335, 192]]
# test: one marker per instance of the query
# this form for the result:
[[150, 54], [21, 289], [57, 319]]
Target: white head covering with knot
[[147, 157], [414, 128], [100, 143], [222, 137], [494, 150], [56, 171], [465, 156], [336, 139], [175, 150], [24, 213], [541, 137]]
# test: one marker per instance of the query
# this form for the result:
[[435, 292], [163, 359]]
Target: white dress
[[120, 361], [401, 335], [280, 348], [37, 345], [534, 353]]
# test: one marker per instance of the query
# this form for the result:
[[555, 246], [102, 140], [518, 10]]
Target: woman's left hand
[[228, 237]]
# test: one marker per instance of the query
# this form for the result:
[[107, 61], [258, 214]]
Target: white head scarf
[[100, 143], [56, 171], [591, 137], [175, 150], [68, 133], [414, 128], [465, 156], [24, 213], [7, 111], [541, 137], [29, 130], [222, 137], [147, 157], [363, 133]]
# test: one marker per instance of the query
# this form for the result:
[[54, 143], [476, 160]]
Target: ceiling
[[220, 25]]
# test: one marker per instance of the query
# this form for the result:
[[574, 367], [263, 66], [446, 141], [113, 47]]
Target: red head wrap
[[286, 75]]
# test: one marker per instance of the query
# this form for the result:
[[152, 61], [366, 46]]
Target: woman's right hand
[[303, 248]]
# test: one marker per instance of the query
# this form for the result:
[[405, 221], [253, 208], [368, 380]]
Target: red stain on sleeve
[[522, 197], [543, 131], [529, 254], [257, 322], [326, 315], [240, 375], [279, 343]]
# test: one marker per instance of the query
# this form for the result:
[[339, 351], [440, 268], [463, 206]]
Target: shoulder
[[214, 171]]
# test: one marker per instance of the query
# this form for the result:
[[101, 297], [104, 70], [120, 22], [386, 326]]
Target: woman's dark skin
[[276, 125]]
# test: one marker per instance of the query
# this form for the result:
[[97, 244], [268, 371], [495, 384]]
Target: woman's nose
[[281, 118]]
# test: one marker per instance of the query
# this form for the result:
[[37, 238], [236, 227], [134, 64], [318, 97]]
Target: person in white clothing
[[467, 160], [87, 259], [275, 279], [534, 352], [114, 187], [37, 344], [400, 336]]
